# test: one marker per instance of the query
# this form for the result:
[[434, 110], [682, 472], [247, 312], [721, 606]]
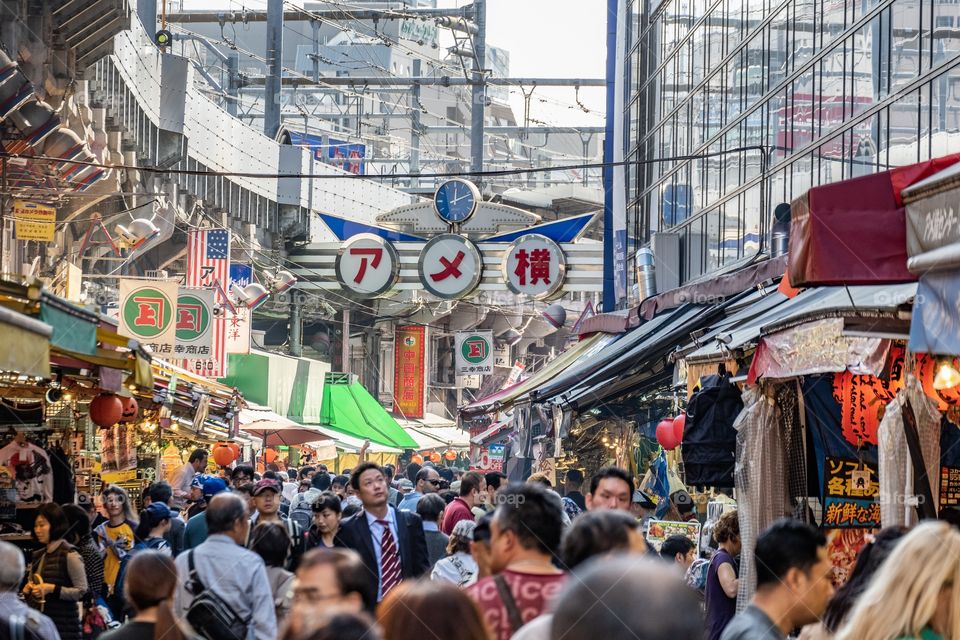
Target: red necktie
[[389, 560]]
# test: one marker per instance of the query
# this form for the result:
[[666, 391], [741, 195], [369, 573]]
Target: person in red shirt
[[473, 487], [525, 534]]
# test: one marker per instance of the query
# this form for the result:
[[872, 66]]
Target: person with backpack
[[222, 587], [266, 498], [154, 524]]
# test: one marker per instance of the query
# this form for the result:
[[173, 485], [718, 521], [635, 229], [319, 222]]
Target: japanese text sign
[[850, 491], [147, 313], [535, 266], [367, 265], [473, 352], [450, 266], [34, 221], [409, 371]]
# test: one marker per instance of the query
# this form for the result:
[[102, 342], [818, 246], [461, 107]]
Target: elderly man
[[223, 566], [12, 609]]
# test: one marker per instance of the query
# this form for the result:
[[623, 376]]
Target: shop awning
[[582, 351], [74, 328], [349, 409], [351, 444], [293, 387], [436, 437], [493, 431], [275, 430], [26, 344]]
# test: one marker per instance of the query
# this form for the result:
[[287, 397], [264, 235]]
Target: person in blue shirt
[[428, 481]]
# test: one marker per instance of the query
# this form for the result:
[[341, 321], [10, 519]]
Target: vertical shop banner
[[208, 266], [409, 371], [195, 315], [147, 313], [614, 176], [238, 324]]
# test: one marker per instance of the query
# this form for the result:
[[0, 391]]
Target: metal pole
[[147, 10], [415, 129], [233, 83], [271, 120], [478, 93], [3, 220], [296, 336], [345, 342], [316, 49]]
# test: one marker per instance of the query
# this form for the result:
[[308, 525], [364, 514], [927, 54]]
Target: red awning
[[854, 232]]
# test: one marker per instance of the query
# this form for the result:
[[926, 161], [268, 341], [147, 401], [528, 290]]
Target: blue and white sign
[[240, 275]]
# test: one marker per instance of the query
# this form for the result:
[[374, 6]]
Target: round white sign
[[450, 266], [367, 265], [535, 266]]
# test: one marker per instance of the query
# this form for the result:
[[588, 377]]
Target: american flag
[[208, 265]]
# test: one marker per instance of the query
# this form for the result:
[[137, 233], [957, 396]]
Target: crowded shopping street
[[479, 320]]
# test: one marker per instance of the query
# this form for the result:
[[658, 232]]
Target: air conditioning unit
[[158, 274]]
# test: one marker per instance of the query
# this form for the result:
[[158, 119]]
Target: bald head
[[11, 567], [225, 512], [600, 601]]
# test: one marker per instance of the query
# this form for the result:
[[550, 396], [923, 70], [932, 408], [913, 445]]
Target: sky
[[546, 38]]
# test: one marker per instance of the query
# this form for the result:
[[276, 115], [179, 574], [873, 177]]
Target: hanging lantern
[[222, 454], [435, 457], [130, 409], [269, 456], [235, 448], [450, 455], [679, 423], [665, 434], [416, 458], [105, 410]]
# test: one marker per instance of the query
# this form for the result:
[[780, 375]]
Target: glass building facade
[[772, 97]]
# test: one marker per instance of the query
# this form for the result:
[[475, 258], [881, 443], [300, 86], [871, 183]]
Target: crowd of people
[[447, 554]]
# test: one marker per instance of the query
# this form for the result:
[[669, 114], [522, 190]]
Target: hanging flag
[[208, 266], [147, 313], [195, 317], [238, 322]]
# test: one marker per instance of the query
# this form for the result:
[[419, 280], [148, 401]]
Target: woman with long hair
[[148, 585], [912, 595], [430, 609], [57, 580], [116, 540], [326, 522], [154, 525]]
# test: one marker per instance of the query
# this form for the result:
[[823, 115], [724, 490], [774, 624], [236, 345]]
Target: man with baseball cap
[[266, 499], [196, 531]]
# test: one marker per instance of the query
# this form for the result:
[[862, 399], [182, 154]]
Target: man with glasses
[[428, 481], [390, 542], [328, 580]]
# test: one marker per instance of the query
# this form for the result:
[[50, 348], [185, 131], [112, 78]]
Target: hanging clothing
[[63, 480], [32, 471]]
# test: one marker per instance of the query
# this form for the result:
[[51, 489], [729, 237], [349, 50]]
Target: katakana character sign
[[534, 265], [367, 265], [450, 266]]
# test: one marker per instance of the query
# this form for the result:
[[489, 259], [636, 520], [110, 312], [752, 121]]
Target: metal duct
[[645, 266], [780, 232]]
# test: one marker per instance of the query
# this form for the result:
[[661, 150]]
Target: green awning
[[292, 387], [349, 409], [74, 328]]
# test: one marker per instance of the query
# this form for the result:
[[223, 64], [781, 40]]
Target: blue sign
[[241, 274], [348, 156]]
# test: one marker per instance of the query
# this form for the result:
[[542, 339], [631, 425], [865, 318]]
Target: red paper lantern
[[222, 454], [435, 457], [679, 423], [105, 410], [416, 458], [130, 409], [269, 455], [235, 448], [450, 455], [665, 434]]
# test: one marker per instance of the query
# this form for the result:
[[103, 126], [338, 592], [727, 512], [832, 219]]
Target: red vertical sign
[[409, 371]]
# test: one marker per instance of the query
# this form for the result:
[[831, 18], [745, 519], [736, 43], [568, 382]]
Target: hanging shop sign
[[34, 221], [367, 265], [409, 371], [195, 316], [534, 266], [450, 266], [147, 311], [850, 488], [208, 266], [238, 323], [491, 458], [473, 351]]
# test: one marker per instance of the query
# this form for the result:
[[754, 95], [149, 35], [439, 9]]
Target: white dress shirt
[[376, 533]]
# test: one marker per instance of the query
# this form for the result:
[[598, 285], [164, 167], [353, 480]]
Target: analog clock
[[456, 200]]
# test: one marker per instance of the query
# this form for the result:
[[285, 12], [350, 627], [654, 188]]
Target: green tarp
[[74, 328], [349, 409], [292, 387]]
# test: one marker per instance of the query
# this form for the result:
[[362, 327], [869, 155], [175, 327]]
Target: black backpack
[[19, 627], [208, 614], [709, 439]]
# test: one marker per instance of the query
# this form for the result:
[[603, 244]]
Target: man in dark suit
[[390, 542]]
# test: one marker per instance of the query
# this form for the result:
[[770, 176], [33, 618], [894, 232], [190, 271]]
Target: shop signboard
[[450, 266], [473, 351], [34, 221], [238, 323], [409, 369], [534, 266], [208, 266], [949, 487], [367, 265], [660, 530], [850, 489], [194, 323], [491, 458], [147, 313]]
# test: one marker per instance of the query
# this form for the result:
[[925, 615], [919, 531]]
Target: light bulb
[[947, 376]]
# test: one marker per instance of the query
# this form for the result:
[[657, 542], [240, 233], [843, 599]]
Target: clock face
[[456, 200]]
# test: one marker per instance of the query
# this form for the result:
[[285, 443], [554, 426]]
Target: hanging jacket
[[709, 439]]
